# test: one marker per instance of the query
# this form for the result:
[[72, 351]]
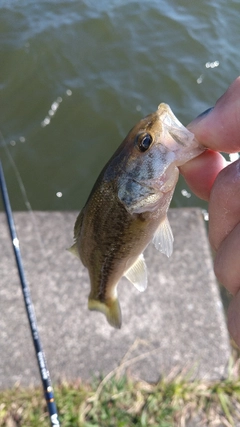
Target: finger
[[201, 172], [219, 130], [234, 318], [226, 263], [224, 204]]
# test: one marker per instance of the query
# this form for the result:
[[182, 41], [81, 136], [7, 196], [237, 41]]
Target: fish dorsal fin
[[77, 229], [74, 250], [163, 238], [137, 274]]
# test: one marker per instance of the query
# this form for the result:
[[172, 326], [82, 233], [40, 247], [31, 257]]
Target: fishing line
[[24, 194], [41, 360]]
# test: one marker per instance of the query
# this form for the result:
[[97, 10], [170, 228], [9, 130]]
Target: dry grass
[[119, 400]]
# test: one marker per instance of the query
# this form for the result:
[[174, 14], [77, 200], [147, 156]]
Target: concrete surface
[[178, 323]]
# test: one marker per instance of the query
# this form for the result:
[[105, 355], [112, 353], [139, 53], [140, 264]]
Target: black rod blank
[[41, 360]]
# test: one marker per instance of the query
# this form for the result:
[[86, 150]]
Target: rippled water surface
[[75, 76]]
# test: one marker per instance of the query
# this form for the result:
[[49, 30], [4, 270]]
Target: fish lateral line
[[127, 207]]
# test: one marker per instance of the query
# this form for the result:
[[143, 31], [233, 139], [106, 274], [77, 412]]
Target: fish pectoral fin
[[110, 308], [137, 274], [74, 250], [163, 238]]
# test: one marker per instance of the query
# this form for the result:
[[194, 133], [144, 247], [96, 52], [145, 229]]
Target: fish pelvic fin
[[74, 250], [163, 238], [111, 309]]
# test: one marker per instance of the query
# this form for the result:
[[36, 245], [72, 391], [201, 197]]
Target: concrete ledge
[[177, 323]]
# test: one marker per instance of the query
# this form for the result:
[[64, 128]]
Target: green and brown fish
[[128, 206]]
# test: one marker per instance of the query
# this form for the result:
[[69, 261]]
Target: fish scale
[[127, 208]]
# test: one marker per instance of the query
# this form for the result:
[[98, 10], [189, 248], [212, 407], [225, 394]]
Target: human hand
[[209, 178]]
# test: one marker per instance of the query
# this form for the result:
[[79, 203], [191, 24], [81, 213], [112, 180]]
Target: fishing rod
[[41, 360]]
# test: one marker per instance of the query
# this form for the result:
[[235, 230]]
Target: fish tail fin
[[74, 250], [111, 309]]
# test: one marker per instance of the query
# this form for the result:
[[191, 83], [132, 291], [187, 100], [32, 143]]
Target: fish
[[127, 208]]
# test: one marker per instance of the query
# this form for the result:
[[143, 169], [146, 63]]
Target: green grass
[[119, 401]]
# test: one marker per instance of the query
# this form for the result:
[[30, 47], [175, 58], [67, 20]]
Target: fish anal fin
[[111, 309], [137, 274], [74, 250], [163, 238]]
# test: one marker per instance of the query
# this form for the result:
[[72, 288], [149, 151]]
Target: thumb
[[219, 130]]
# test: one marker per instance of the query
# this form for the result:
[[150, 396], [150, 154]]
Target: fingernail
[[205, 113]]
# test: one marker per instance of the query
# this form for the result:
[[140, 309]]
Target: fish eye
[[144, 140]]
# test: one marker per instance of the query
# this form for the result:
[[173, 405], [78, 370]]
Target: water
[[75, 76]]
